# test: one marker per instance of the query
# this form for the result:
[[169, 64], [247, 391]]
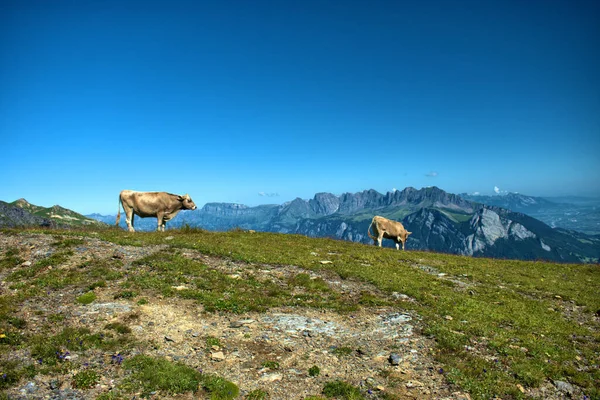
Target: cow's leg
[[130, 221], [379, 239], [397, 246], [128, 216], [159, 220]]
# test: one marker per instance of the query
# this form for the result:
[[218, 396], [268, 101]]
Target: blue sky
[[264, 101]]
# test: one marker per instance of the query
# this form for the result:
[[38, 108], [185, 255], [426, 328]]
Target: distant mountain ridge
[[580, 214], [440, 221]]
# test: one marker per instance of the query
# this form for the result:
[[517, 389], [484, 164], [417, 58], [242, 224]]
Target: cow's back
[[392, 228], [145, 204]]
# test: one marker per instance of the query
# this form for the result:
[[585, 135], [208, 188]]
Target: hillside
[[12, 216], [198, 314], [22, 213], [440, 221]]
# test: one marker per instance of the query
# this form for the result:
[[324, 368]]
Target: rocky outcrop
[[324, 204], [13, 216]]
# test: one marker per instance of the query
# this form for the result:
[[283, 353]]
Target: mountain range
[[440, 221], [574, 213]]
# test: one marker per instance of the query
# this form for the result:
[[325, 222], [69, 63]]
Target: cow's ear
[[408, 233], [180, 198]]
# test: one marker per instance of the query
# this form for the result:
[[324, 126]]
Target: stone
[[394, 359], [564, 387], [217, 356], [272, 377]]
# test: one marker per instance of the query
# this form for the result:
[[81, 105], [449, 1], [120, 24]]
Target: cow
[[161, 205], [385, 228]]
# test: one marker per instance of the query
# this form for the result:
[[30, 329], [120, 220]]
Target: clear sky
[[261, 102]]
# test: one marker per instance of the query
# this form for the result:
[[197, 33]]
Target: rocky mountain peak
[[22, 203], [324, 203]]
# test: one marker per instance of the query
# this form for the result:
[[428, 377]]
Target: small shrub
[[314, 371], [17, 322], [212, 341], [220, 388], [342, 351], [343, 390], [270, 364], [86, 298], [257, 394], [142, 301], [97, 285], [126, 294], [119, 327]]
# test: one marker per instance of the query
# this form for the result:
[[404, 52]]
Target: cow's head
[[187, 202], [402, 238]]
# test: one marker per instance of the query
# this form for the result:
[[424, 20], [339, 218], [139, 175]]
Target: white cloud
[[432, 174], [499, 191], [263, 194], [476, 193]]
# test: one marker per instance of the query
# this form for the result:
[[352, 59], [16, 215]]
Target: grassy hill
[[61, 216], [498, 328]]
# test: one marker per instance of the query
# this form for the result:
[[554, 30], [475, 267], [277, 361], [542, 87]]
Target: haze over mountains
[[440, 221], [576, 213]]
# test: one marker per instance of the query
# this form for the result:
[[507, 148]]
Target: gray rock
[[564, 387], [394, 359], [30, 388]]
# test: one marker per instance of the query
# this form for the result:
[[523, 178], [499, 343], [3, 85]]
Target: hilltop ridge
[[21, 213]]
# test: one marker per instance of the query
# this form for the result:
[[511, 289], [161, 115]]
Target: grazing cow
[[161, 205], [385, 228]]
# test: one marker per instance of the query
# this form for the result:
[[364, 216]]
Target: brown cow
[[161, 205], [385, 228]]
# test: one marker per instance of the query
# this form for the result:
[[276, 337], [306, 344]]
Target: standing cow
[[161, 205], [385, 228]]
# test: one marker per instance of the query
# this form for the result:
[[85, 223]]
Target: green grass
[[219, 292], [510, 303], [85, 379], [342, 351], [342, 390], [212, 341], [270, 365], [314, 371], [10, 258], [257, 394], [513, 322], [150, 374], [86, 298]]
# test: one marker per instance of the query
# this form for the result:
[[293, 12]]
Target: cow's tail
[[119, 212], [369, 232]]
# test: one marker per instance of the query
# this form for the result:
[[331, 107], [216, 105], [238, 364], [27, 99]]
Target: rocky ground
[[379, 350]]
